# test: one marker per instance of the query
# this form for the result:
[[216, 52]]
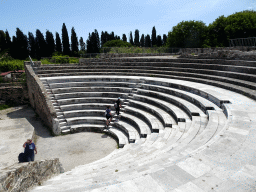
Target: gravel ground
[[72, 150]]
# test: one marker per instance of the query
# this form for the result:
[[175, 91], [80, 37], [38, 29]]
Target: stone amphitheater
[[187, 124]]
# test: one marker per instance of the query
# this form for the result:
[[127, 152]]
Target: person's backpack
[[22, 158]]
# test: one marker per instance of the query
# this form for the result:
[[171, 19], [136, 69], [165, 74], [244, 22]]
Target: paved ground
[[16, 125]]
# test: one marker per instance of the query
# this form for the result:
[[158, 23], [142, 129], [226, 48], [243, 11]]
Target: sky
[[120, 16]]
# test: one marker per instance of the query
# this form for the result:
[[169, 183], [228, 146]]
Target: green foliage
[[187, 34], [3, 106], [11, 65], [139, 50], [117, 43], [60, 59]]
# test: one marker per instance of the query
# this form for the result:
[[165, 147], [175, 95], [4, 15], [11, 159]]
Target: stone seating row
[[63, 107]]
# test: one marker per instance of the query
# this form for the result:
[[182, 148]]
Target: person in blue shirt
[[29, 150], [108, 115]]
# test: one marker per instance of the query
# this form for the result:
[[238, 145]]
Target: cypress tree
[[14, 47], [58, 43], [124, 38], [103, 38], [131, 38], [8, 40], [74, 42], [22, 44], [41, 49], [93, 42], [153, 37], [50, 43], [142, 41], [31, 45], [164, 39], [65, 40], [2, 41], [147, 41], [82, 44], [89, 46], [159, 41], [137, 38]]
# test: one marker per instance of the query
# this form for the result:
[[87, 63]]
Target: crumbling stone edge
[[23, 176], [39, 99]]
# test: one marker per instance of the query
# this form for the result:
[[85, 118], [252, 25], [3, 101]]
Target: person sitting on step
[[108, 115]]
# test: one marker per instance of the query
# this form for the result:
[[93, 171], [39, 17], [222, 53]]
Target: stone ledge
[[22, 176]]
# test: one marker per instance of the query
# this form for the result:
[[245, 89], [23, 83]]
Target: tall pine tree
[[93, 42], [147, 41], [50, 43], [31, 45], [82, 44], [137, 38], [159, 41], [131, 38], [41, 48], [2, 40], [58, 43], [8, 40], [124, 38], [164, 39], [153, 37], [22, 45], [65, 40], [142, 41], [74, 42]]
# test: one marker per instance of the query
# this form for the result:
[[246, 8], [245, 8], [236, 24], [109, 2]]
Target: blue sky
[[120, 16]]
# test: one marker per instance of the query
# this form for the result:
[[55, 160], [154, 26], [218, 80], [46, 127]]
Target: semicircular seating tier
[[185, 124]]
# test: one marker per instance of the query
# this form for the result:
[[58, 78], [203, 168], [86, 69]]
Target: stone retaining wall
[[40, 101], [231, 53], [114, 55], [23, 176], [14, 95]]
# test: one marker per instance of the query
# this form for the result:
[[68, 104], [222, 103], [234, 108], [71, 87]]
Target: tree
[[2, 41], [8, 40], [50, 45], [164, 39], [74, 42], [131, 38], [117, 43], [93, 42], [14, 48], [137, 38], [31, 45], [124, 38], [41, 48], [187, 34], [153, 37], [147, 41], [159, 42], [104, 37], [142, 41], [65, 40], [82, 44], [21, 45], [58, 43], [216, 34]]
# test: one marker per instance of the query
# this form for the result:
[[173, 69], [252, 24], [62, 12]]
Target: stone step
[[91, 89], [140, 125], [153, 122], [88, 100], [92, 84], [188, 107], [90, 94], [165, 118]]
